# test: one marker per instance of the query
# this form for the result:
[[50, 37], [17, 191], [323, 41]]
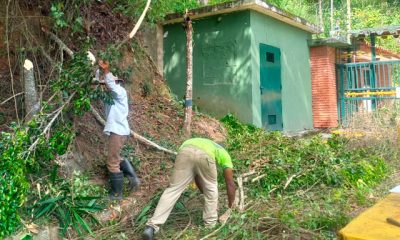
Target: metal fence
[[366, 86]]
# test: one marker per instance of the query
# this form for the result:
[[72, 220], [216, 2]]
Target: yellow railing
[[370, 93]]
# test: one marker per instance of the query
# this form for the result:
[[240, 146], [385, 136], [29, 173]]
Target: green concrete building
[[250, 59]]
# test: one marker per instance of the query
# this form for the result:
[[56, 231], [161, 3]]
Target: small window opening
[[270, 57]]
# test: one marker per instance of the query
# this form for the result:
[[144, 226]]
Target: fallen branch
[[216, 230], [137, 25], [58, 41], [273, 190], [47, 56], [249, 173], [187, 226], [135, 135], [12, 97], [258, 177], [241, 193], [308, 189], [289, 180], [50, 124]]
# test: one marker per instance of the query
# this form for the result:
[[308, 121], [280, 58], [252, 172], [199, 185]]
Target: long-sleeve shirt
[[117, 113], [214, 150]]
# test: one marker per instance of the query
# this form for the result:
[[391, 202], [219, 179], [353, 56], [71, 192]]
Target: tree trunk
[[332, 23], [348, 20], [31, 96], [320, 16], [189, 75]]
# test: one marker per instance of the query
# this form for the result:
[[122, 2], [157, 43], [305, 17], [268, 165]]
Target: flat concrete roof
[[240, 5]]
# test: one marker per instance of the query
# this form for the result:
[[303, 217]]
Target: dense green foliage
[[307, 161], [13, 183]]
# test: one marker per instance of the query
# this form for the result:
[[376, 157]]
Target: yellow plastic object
[[348, 133], [372, 224]]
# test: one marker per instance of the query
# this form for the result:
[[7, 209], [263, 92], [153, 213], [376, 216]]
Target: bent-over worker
[[197, 160]]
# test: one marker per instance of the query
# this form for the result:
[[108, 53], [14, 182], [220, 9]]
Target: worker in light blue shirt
[[117, 129], [117, 113]]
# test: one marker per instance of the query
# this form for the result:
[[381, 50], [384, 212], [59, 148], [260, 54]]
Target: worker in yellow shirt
[[197, 160]]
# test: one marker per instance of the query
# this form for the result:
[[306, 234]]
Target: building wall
[[295, 67], [324, 93], [221, 64]]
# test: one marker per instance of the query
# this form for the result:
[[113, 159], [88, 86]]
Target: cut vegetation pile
[[293, 188]]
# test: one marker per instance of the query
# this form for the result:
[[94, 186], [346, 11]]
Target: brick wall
[[323, 78]]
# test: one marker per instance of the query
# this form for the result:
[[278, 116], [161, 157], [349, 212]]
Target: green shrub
[[13, 184]]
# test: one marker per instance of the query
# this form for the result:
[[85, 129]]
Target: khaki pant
[[189, 163], [115, 144]]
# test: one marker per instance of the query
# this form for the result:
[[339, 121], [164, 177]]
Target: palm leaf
[[83, 223], [85, 198], [143, 213], [89, 209], [50, 200], [45, 210]]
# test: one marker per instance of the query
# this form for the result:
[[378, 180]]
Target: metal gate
[[366, 86]]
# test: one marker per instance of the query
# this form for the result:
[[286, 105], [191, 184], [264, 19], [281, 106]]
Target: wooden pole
[[348, 20], [332, 23], [320, 17], [189, 75]]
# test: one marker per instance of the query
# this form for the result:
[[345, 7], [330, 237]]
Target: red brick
[[323, 79]]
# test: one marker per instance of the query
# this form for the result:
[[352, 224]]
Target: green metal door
[[271, 87]]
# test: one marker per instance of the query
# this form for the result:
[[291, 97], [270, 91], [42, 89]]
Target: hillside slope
[[154, 113]]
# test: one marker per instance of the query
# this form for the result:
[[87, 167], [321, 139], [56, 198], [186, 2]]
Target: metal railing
[[365, 86]]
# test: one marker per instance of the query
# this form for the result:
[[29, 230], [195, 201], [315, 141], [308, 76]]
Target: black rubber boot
[[117, 185], [129, 172], [148, 233]]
